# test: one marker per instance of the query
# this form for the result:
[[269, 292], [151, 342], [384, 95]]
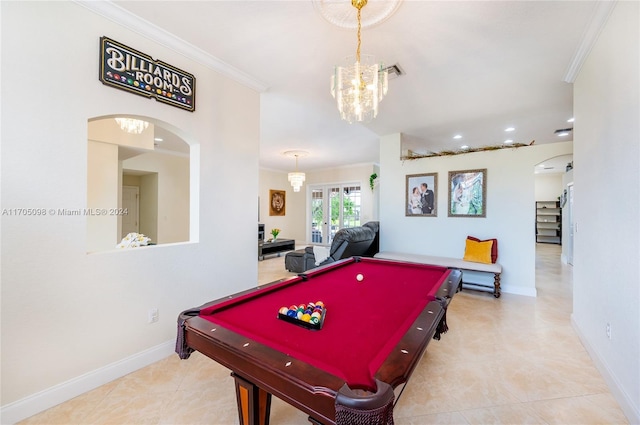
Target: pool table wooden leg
[[254, 403]]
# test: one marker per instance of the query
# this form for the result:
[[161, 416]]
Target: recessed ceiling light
[[158, 139], [508, 141], [457, 136], [464, 147], [509, 129], [562, 134], [570, 119]]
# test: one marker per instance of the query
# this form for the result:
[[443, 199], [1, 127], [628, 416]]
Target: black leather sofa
[[348, 242]]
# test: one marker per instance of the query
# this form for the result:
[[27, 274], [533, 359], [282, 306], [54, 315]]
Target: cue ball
[[359, 277]]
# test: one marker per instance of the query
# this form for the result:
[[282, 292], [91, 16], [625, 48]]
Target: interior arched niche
[[140, 183]]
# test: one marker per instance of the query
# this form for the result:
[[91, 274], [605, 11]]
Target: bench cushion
[[441, 261]]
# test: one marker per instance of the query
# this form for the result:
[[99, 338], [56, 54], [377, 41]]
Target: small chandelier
[[131, 125], [296, 178], [359, 87]]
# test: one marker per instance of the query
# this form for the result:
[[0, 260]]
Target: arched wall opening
[[142, 183]]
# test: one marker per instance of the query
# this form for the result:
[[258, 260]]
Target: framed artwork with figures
[[421, 194], [468, 193], [277, 202]]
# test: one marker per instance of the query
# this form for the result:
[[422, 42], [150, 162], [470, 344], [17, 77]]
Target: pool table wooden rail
[[304, 386]]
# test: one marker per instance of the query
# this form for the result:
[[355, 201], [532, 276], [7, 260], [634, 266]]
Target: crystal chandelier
[[131, 125], [296, 178], [359, 87]]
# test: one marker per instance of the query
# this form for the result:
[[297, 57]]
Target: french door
[[332, 208]]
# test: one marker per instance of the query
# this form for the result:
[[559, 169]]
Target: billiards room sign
[[128, 69]]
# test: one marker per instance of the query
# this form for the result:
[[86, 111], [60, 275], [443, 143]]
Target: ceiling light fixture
[[358, 88], [509, 129], [508, 142], [570, 119], [131, 125], [296, 178], [457, 136]]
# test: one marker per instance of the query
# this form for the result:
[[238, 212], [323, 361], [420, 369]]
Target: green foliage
[[372, 179], [347, 204]]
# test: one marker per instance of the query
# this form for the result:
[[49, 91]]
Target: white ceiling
[[471, 68]]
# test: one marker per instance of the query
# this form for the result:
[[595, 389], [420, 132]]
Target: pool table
[[353, 369]]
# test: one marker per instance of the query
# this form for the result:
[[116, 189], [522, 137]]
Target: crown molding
[[598, 20], [123, 17]]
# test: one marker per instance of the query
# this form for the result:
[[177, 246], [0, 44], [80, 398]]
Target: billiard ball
[[359, 277], [284, 310]]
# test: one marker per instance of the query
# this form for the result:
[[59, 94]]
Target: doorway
[[130, 203], [333, 207], [569, 241]]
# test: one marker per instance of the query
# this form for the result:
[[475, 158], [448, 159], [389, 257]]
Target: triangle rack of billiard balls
[[309, 316]]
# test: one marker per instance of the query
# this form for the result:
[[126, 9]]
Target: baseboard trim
[[626, 404], [46, 399], [519, 290]]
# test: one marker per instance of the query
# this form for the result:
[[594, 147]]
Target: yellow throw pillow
[[479, 252]]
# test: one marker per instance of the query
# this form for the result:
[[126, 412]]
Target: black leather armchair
[[347, 242]]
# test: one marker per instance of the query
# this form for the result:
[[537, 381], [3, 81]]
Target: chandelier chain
[[359, 39]]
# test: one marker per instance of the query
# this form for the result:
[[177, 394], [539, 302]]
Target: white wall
[[72, 321], [607, 204], [548, 187], [510, 214], [291, 224], [102, 192]]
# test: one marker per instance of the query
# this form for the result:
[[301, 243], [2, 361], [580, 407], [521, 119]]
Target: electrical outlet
[[153, 315], [609, 330]]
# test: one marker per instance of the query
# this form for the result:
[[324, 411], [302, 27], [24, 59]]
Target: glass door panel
[[334, 212], [317, 215], [332, 208]]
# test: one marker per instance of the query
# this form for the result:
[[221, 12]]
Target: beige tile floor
[[512, 360]]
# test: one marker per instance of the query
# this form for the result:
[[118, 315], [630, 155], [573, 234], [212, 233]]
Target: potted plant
[[372, 180]]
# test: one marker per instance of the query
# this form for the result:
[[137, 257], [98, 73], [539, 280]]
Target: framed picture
[[421, 194], [277, 202], [468, 193]]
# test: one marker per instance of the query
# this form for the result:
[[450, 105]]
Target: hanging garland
[[463, 151]]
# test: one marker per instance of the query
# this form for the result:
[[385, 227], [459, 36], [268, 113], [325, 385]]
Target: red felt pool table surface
[[364, 319]]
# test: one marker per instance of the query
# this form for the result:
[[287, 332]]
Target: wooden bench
[[452, 263]]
